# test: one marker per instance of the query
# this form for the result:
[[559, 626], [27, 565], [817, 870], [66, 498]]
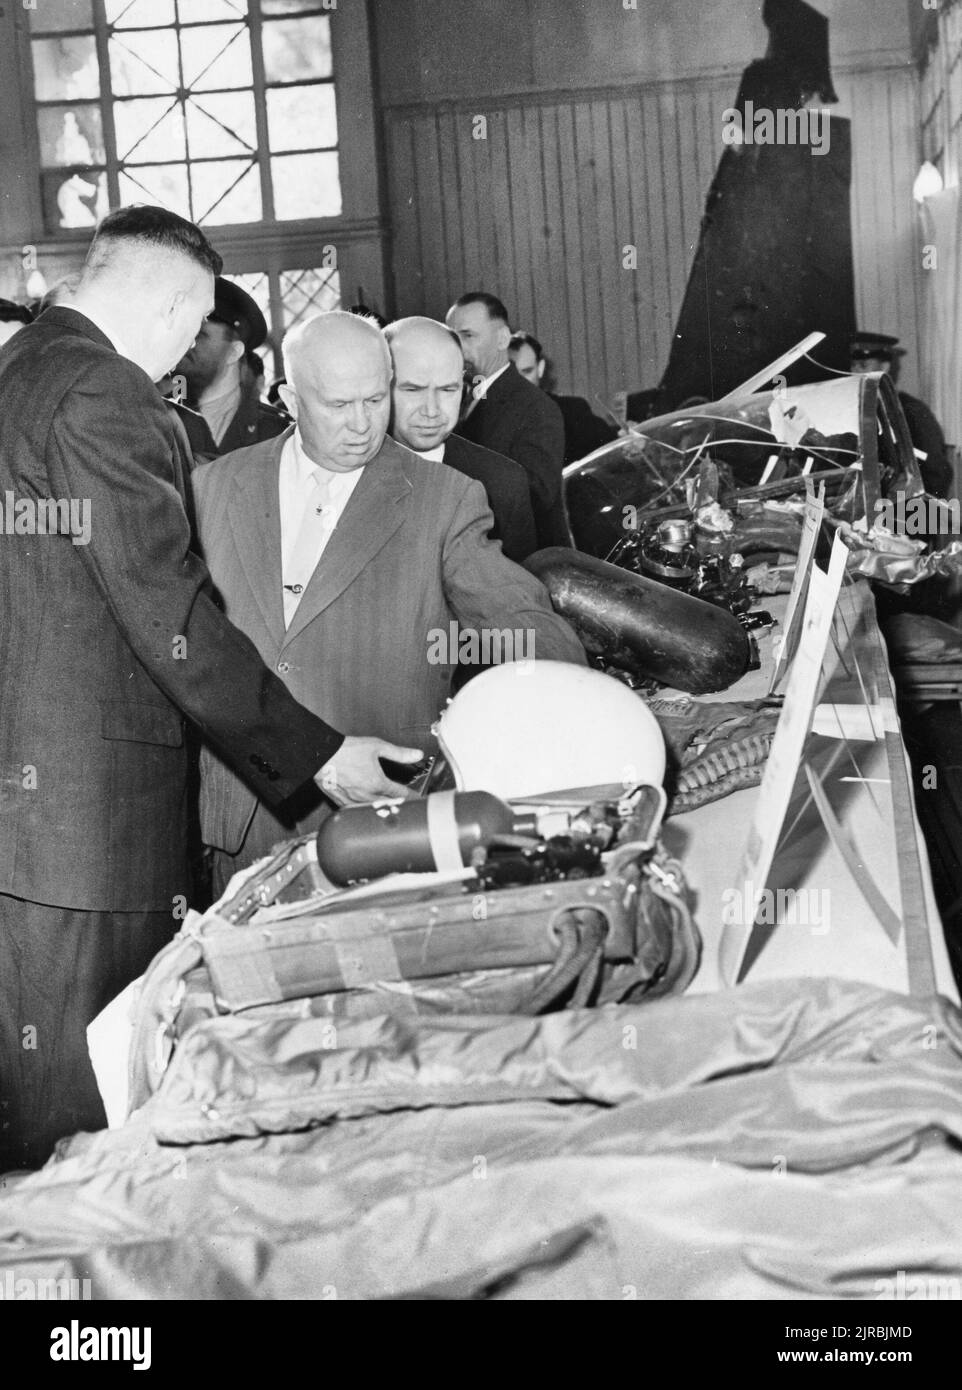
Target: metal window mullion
[[260, 114], [184, 94], [32, 134], [66, 101], [302, 82], [274, 264], [107, 105]]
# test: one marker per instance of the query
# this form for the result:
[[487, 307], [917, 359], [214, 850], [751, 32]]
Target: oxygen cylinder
[[642, 626], [438, 832]]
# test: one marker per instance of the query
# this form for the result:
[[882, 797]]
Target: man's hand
[[354, 776]]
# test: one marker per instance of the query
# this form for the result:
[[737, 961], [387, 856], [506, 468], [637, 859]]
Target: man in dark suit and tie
[[584, 432], [362, 572], [426, 400], [109, 638], [507, 414]]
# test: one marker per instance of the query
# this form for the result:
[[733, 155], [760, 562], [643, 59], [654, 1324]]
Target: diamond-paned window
[[221, 110], [305, 293]]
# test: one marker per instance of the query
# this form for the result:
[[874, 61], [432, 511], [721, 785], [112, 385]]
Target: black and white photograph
[[481, 665]]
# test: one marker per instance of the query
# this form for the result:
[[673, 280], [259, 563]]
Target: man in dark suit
[[507, 414], [426, 400], [109, 637], [222, 384], [584, 432], [363, 573]]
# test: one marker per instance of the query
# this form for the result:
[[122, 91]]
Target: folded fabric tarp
[[779, 1140]]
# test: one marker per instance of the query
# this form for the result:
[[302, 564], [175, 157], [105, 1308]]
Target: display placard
[[784, 760]]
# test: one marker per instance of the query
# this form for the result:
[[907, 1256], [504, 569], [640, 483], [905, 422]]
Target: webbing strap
[[443, 832]]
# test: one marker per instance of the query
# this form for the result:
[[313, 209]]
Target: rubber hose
[[714, 791], [716, 764], [579, 939], [587, 981]]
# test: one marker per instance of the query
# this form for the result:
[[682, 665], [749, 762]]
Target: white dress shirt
[[437, 453], [302, 504], [219, 410], [481, 390]]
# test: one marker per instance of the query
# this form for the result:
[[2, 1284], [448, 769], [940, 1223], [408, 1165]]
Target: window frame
[[272, 228], [361, 234]]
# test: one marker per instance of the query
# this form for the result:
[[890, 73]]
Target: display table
[[825, 925]]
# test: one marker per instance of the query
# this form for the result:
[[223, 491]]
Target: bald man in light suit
[[342, 555]]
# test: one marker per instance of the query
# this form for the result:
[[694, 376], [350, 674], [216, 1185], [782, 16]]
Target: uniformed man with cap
[[222, 385], [880, 352]]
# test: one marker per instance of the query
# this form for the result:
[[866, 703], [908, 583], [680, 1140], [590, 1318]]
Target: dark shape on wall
[[774, 259], [798, 48]]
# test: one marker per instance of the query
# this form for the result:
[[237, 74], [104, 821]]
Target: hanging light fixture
[[928, 182]]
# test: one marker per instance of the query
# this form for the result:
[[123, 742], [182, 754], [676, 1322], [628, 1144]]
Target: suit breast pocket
[[140, 722]]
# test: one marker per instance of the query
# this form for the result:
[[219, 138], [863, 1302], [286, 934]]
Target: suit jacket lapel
[[492, 405], [255, 520], [375, 511], [180, 461], [503, 392]]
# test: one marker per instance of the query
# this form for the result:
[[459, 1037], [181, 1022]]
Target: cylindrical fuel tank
[[439, 832], [642, 626]]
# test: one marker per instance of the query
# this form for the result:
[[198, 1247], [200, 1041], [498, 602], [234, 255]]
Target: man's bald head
[[322, 344], [418, 333], [428, 381], [338, 370]]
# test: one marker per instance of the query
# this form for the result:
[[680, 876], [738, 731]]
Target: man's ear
[[504, 337], [539, 374], [289, 397], [236, 350], [174, 305]]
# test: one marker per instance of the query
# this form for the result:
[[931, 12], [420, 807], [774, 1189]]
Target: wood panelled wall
[[541, 208], [941, 95], [885, 228]]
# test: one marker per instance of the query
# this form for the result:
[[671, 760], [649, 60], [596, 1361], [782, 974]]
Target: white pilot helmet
[[526, 730]]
